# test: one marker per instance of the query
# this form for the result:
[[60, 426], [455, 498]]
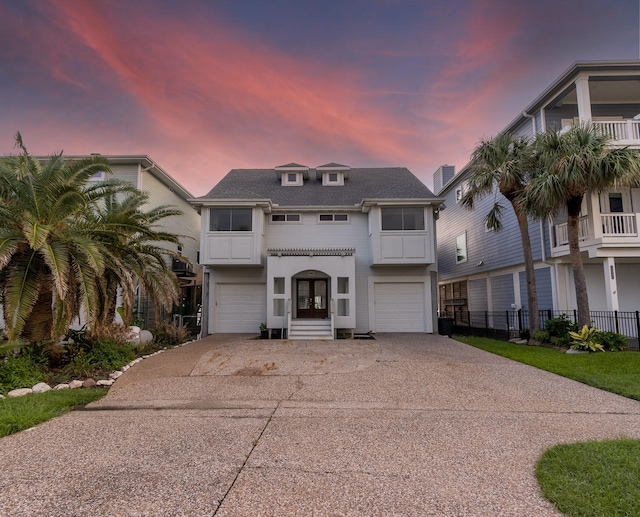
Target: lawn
[[592, 479], [17, 414], [618, 372]]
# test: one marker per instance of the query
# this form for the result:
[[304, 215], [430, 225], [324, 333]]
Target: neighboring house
[[480, 270], [318, 252], [147, 176]]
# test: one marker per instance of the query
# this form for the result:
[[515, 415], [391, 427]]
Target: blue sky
[[203, 87]]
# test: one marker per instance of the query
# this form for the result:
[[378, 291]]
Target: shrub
[[167, 334], [612, 341], [562, 342], [21, 371], [586, 339], [542, 336], [525, 334], [560, 327]]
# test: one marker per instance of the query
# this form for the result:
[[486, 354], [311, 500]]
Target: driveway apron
[[406, 424]]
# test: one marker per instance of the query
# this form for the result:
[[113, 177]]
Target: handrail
[[333, 321], [288, 317]]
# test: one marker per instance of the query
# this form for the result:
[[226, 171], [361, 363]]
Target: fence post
[[615, 315], [486, 324], [638, 327], [519, 320], [575, 316]]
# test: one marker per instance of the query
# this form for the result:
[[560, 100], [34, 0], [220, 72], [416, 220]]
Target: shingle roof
[[370, 183]]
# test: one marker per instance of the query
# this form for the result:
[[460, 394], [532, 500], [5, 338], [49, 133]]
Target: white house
[[313, 252]]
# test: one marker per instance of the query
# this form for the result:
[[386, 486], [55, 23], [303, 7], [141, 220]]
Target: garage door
[[240, 307], [399, 307]]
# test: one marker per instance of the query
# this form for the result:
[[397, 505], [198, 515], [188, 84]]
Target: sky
[[204, 86]]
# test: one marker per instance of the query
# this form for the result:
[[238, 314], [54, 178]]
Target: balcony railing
[[620, 130], [613, 225]]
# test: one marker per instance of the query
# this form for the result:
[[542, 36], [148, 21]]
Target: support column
[[611, 284], [584, 98]]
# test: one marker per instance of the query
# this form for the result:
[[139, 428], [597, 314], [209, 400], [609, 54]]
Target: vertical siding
[[543, 289], [502, 294]]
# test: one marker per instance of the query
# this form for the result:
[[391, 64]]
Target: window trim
[[328, 182], [333, 218], [231, 209], [424, 222], [286, 219], [287, 183], [466, 250]]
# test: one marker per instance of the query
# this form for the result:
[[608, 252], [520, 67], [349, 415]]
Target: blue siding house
[[482, 270]]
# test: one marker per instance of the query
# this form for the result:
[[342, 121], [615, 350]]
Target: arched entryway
[[311, 288]]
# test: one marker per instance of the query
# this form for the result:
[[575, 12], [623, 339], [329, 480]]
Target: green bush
[[542, 336], [561, 342], [612, 341], [560, 327], [586, 339], [21, 371]]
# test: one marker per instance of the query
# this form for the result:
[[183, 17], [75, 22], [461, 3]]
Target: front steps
[[311, 329]]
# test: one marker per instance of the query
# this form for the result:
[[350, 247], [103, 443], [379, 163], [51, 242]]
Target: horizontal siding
[[477, 295], [494, 250]]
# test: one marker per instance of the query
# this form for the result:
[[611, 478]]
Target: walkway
[[403, 425]]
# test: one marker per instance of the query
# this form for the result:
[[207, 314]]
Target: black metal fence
[[509, 324]]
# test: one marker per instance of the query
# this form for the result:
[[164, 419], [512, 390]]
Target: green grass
[[618, 372], [17, 414], [593, 479]]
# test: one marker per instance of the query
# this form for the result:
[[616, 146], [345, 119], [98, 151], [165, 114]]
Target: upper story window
[[285, 218], [333, 218], [402, 218], [461, 190], [461, 248], [332, 178], [230, 219], [98, 176], [292, 179]]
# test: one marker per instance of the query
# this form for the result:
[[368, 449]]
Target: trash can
[[445, 326]]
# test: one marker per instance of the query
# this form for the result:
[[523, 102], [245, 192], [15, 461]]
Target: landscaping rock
[[574, 351], [115, 375], [1, 396], [75, 384], [41, 387], [88, 383], [20, 392], [145, 337], [62, 386], [105, 382]]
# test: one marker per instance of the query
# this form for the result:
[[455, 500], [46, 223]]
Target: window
[[615, 203], [278, 285], [230, 219], [402, 218], [343, 285], [285, 218], [292, 177], [333, 218], [461, 248], [98, 176], [461, 190], [333, 177]]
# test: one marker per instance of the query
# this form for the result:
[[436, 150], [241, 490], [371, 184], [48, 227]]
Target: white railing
[[562, 232], [288, 317], [332, 305], [620, 129], [619, 225]]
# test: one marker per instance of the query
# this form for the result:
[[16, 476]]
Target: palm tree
[[504, 161], [570, 164], [48, 260], [134, 254]]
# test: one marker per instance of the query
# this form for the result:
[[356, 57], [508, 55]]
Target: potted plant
[[264, 333]]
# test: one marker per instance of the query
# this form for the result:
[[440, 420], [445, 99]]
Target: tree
[[504, 162], [60, 253], [570, 164], [135, 256]]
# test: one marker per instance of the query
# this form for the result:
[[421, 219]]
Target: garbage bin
[[445, 326]]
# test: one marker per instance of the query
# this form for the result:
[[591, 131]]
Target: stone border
[[43, 387]]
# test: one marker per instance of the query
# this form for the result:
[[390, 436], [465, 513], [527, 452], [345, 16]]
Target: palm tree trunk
[[573, 229], [39, 324], [532, 293]]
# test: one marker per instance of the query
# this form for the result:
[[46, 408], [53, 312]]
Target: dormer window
[[292, 174], [333, 174]]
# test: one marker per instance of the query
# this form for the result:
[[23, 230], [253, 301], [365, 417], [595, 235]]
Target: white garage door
[[240, 307], [399, 307]]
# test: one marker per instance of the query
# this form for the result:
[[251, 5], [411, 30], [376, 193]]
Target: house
[[481, 270], [146, 175], [317, 252]]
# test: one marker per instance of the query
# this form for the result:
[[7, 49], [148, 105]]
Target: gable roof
[[393, 183]]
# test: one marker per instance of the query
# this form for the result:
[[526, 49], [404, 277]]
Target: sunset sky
[[204, 86]]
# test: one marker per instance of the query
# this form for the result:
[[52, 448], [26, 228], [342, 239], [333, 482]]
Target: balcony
[[620, 229], [622, 132]]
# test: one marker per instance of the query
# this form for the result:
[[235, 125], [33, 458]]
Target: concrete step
[[311, 329]]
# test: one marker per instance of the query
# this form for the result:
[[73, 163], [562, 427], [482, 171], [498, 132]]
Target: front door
[[312, 299]]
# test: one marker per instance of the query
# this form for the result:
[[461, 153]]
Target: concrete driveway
[[403, 425]]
